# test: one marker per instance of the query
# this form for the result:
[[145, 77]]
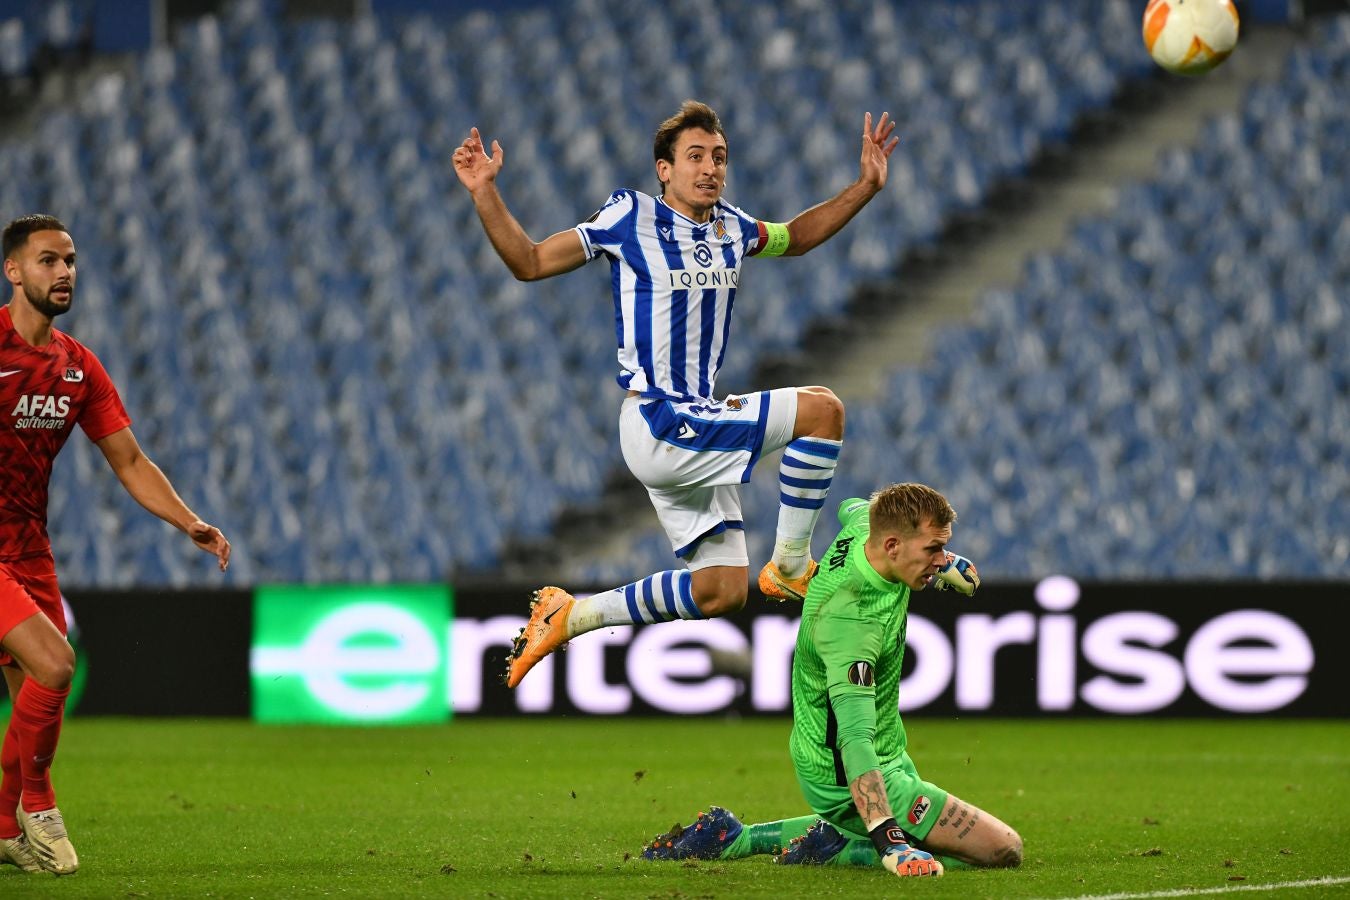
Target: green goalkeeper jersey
[[846, 673]]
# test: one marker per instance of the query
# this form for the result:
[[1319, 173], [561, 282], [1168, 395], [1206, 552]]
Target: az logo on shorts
[[919, 810]]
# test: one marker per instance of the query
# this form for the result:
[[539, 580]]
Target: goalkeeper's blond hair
[[903, 508]]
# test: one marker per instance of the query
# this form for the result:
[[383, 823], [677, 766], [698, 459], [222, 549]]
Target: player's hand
[[958, 574], [209, 538], [877, 146], [904, 860], [473, 165]]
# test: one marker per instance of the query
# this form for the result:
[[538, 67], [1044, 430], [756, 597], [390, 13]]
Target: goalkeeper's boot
[[46, 833], [712, 832], [774, 585], [821, 843], [16, 851], [545, 632], [958, 575]]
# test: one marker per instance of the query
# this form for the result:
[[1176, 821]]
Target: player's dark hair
[[692, 114], [903, 508], [17, 232]]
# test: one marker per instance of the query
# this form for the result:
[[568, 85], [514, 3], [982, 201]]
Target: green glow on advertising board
[[351, 654]]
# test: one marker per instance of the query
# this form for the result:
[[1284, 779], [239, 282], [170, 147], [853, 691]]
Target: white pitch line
[[1233, 889]]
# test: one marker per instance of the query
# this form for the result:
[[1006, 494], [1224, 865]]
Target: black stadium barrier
[[1056, 648]]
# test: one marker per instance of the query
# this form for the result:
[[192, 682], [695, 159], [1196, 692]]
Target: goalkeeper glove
[[899, 857], [958, 574]]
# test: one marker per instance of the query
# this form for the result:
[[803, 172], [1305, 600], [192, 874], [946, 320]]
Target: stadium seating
[[34, 35], [1167, 394], [318, 344]]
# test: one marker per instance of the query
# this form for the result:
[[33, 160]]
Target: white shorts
[[693, 456]]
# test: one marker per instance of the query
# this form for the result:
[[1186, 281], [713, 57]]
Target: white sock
[[657, 598], [804, 478]]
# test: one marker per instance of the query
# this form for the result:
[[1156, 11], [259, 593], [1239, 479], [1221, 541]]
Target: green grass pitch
[[562, 807]]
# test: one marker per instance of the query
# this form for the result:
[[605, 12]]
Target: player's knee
[[55, 671], [825, 414], [834, 414], [1008, 854]]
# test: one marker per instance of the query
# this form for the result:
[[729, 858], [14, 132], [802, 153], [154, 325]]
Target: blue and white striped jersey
[[674, 283]]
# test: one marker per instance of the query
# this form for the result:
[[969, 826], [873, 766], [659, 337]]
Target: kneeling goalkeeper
[[848, 741]]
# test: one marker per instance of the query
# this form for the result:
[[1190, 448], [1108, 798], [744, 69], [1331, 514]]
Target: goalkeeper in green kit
[[848, 743]]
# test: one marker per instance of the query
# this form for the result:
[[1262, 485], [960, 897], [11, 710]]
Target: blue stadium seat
[[268, 218]]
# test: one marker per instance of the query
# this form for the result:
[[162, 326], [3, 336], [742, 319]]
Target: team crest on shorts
[[919, 810], [860, 673], [735, 404]]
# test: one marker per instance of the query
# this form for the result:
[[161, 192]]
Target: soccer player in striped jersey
[[49, 383], [676, 261], [848, 744]]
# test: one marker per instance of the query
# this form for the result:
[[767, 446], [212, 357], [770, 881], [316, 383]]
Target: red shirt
[[44, 392]]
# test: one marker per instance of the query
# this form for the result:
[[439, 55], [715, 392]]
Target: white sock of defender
[[662, 597], [804, 478]]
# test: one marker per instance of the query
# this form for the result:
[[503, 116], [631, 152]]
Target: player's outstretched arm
[[148, 485], [527, 260], [821, 222], [854, 706]]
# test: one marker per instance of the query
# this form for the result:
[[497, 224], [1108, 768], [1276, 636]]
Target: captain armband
[[776, 239]]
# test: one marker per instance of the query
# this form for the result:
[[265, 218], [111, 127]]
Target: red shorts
[[28, 586]]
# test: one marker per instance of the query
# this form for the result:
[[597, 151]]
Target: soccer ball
[[1189, 37]]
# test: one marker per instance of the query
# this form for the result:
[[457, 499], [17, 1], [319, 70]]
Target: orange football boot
[[545, 632]]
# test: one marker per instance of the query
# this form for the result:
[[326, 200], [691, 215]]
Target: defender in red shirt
[[49, 382]]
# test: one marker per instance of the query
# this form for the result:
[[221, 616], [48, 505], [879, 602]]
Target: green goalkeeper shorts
[[915, 803]]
